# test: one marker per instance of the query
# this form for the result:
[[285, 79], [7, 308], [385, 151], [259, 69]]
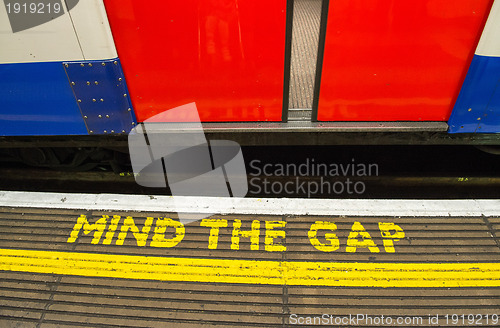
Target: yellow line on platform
[[253, 272]]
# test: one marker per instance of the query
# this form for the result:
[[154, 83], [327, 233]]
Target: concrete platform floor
[[70, 267]]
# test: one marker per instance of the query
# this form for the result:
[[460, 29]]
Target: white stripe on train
[[81, 34], [489, 45]]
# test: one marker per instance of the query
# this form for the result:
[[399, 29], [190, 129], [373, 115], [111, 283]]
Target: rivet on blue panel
[[99, 90]]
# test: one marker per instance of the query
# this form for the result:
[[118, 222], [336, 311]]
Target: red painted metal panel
[[397, 60], [228, 56]]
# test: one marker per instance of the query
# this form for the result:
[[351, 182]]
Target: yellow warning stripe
[[253, 272]]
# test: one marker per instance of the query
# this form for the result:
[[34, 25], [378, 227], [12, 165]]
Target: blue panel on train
[[477, 109], [102, 95], [36, 99], [491, 118]]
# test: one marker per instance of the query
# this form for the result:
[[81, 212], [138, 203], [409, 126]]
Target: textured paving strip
[[306, 20], [143, 270]]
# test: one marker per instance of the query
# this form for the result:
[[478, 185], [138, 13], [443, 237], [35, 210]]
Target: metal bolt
[[103, 64], [133, 123], [88, 83], [90, 64], [94, 100], [115, 62], [112, 131], [96, 83], [120, 79], [82, 64], [130, 109], [100, 116], [123, 131], [124, 94], [107, 116], [470, 109], [105, 131], [91, 131], [479, 119], [85, 117], [66, 65], [73, 83], [102, 100], [79, 100]]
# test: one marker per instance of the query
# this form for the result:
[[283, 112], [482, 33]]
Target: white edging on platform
[[263, 206]]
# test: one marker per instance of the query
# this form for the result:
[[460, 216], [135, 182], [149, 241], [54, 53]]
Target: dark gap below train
[[400, 172]]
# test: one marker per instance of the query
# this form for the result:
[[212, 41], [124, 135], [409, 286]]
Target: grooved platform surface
[[306, 19], [48, 279]]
